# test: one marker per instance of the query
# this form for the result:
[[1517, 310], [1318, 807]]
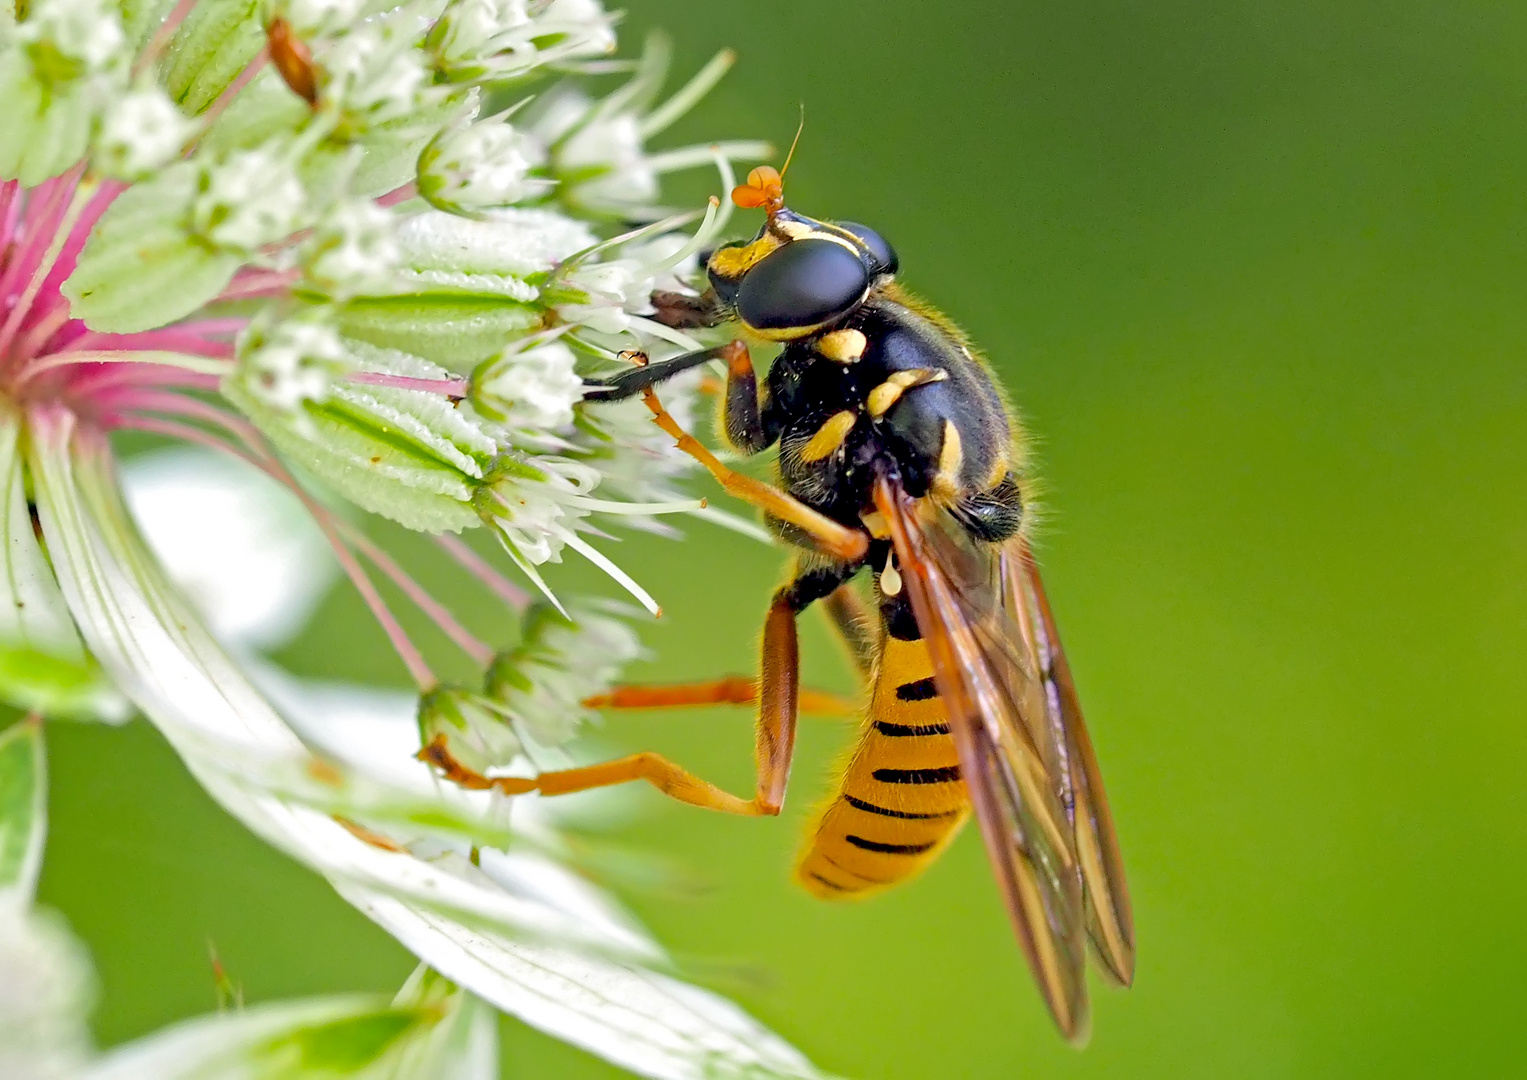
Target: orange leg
[[833, 538], [778, 698], [727, 690]]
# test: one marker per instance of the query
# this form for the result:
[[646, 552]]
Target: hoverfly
[[896, 455]]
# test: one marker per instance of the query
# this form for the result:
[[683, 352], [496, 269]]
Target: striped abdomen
[[901, 798]]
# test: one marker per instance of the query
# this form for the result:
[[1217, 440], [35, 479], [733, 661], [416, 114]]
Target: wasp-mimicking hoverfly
[[897, 455]]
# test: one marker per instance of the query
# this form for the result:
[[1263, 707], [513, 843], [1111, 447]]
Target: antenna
[[785, 168]]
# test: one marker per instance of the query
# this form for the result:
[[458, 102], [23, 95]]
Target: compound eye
[[805, 283], [726, 287], [882, 254]]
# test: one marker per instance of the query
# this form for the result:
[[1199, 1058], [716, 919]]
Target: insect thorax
[[892, 387]]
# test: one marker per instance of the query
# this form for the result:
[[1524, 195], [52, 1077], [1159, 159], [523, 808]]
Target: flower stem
[[506, 590], [437, 612]]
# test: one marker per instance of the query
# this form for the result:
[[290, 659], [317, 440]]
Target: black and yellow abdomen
[[901, 799]]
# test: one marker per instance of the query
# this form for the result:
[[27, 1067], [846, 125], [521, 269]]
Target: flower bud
[[477, 732], [480, 167], [142, 131], [532, 387], [247, 200]]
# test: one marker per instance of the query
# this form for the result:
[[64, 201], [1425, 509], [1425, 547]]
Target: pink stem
[[456, 388], [405, 648], [397, 195], [36, 264], [510, 593], [46, 203], [11, 203], [426, 603], [115, 382], [258, 283], [169, 339], [43, 328]]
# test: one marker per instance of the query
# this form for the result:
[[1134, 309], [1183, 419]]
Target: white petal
[[352, 1035], [239, 545], [46, 665], [229, 736], [648, 1023], [23, 811]]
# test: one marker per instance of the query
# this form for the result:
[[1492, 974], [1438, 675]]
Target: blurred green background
[[1253, 274]]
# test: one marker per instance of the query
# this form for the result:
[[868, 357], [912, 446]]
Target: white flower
[[314, 17], [291, 364], [542, 683], [249, 199], [198, 253], [374, 69], [354, 250], [480, 166], [534, 388], [142, 131], [45, 996], [86, 31]]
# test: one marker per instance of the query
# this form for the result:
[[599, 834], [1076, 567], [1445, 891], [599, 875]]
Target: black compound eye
[[803, 284], [882, 254]]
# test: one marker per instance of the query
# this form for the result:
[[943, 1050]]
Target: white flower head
[[503, 38], [142, 131], [375, 72], [529, 386], [559, 663], [535, 505], [354, 250], [314, 17], [475, 730], [44, 996], [470, 29], [481, 166], [88, 32], [290, 363], [608, 294], [248, 199]]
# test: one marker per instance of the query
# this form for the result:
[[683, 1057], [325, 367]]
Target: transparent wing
[[1109, 921], [1013, 756]]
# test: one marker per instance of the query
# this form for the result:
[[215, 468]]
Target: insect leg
[[831, 537], [779, 694], [639, 378], [727, 690]]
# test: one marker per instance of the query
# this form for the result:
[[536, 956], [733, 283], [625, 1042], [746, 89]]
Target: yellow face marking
[[950, 458], [843, 346], [889, 392], [732, 262], [829, 436]]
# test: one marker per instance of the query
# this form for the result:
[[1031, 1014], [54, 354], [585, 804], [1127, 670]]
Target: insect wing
[[1109, 920], [1018, 780]]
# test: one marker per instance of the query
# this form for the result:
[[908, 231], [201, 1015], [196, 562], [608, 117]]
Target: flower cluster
[[362, 253]]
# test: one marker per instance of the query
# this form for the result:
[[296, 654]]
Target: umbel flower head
[[294, 233]]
